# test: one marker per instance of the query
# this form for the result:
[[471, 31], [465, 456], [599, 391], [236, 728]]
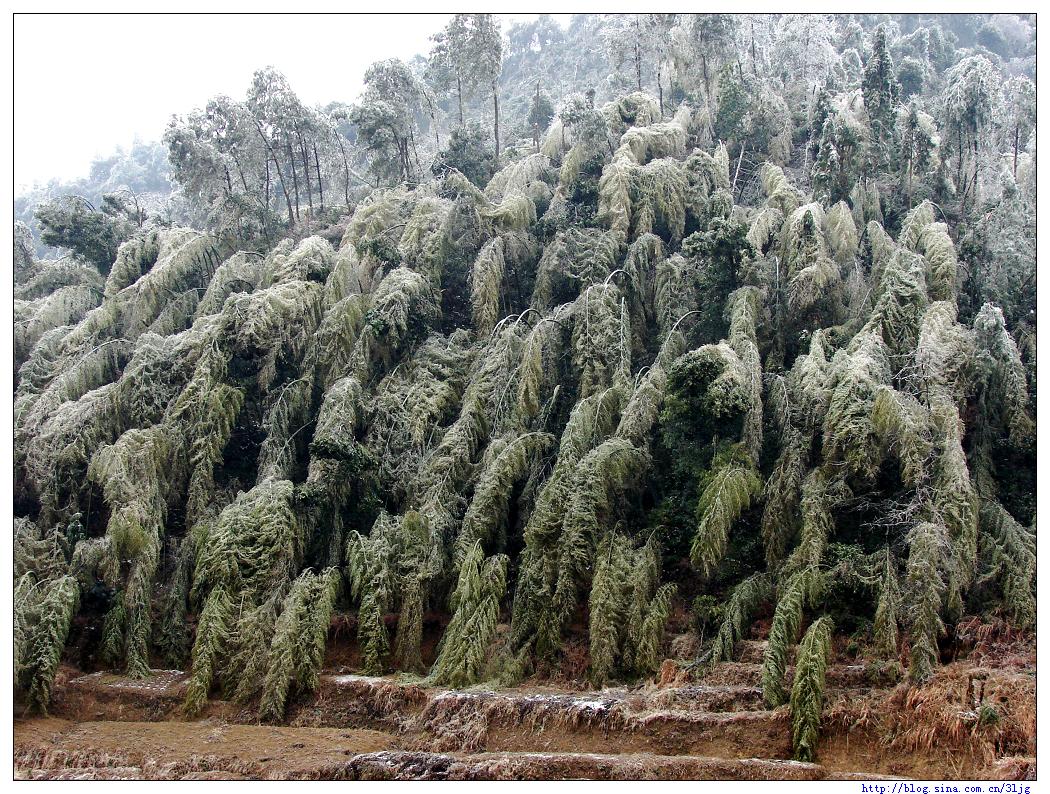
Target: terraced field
[[103, 726]]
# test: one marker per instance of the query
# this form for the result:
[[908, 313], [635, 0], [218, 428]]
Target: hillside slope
[[502, 431]]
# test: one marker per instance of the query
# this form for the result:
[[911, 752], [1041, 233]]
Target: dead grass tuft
[[963, 711]]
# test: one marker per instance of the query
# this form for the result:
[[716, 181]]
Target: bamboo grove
[[564, 404]]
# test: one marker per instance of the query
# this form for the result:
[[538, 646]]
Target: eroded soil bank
[[975, 720]]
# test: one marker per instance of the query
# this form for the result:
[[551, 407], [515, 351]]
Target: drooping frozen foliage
[[807, 691], [683, 361]]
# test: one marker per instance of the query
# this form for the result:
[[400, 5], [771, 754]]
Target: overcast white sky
[[87, 83]]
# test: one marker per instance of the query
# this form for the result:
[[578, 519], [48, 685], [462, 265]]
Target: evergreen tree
[[541, 111], [881, 91]]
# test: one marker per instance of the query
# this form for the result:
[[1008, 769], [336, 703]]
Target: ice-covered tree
[[386, 120], [1017, 114], [969, 97], [93, 235], [881, 92]]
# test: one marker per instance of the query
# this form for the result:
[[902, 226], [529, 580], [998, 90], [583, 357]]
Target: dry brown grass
[[977, 713], [672, 673], [996, 642]]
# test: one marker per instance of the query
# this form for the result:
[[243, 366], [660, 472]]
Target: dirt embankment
[[975, 719]]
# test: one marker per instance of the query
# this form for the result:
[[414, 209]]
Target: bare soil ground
[[186, 749]]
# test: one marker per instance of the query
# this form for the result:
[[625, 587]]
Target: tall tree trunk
[[495, 109], [740, 159], [965, 177], [415, 151], [1017, 141], [638, 64], [320, 185], [805, 55], [284, 189], [346, 171], [433, 120], [910, 172], [277, 165], [754, 57], [240, 173], [295, 177], [660, 86], [459, 93], [306, 172], [976, 169], [809, 145], [535, 125]]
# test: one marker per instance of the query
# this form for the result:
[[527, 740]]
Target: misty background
[[117, 79]]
